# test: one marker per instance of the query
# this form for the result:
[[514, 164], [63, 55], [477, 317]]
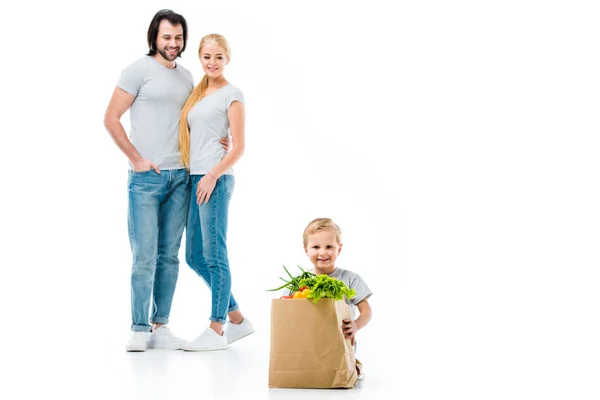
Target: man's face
[[170, 40]]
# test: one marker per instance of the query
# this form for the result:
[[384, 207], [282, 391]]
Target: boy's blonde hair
[[322, 224]]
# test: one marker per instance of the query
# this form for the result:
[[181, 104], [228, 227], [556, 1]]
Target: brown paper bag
[[308, 348]]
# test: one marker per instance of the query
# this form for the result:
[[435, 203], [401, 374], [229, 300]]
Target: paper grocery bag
[[308, 348]]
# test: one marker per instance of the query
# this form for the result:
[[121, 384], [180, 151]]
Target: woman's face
[[214, 59]]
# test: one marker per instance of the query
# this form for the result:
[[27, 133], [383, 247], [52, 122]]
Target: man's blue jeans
[[206, 244], [158, 205]]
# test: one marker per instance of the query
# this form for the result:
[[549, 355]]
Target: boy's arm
[[364, 308], [350, 327]]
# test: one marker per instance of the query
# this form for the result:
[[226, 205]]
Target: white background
[[455, 143]]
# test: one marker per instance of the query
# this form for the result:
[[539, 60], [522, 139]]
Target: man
[[154, 89]]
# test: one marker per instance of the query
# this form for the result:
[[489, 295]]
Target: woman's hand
[[205, 188]]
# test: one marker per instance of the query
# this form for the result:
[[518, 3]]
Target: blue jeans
[[206, 244], [157, 215]]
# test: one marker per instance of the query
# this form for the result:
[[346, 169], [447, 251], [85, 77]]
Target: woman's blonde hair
[[197, 95]]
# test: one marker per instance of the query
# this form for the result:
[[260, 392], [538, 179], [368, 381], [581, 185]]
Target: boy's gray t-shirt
[[160, 94], [353, 281], [208, 123]]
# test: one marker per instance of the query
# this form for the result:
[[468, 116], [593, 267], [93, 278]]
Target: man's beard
[[163, 53]]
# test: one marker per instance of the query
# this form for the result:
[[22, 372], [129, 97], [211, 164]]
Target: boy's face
[[322, 248]]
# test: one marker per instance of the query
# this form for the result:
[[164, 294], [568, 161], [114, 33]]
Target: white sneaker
[[360, 370], [209, 340], [237, 331], [137, 342], [162, 338]]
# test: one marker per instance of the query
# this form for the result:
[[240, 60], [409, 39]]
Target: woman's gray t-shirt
[[208, 124]]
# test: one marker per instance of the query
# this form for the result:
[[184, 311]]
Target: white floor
[[416, 347], [237, 373], [94, 365]]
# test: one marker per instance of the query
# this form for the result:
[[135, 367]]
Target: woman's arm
[[236, 115]]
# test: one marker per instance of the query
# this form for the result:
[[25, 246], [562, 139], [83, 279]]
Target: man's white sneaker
[[207, 341], [237, 331], [137, 342], [163, 338]]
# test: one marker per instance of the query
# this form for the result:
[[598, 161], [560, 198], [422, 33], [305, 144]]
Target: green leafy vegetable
[[294, 283], [321, 286], [326, 287]]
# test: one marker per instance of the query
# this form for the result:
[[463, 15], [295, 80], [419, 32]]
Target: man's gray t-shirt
[[160, 94], [208, 123]]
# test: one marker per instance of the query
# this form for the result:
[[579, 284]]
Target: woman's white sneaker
[[237, 331], [207, 341]]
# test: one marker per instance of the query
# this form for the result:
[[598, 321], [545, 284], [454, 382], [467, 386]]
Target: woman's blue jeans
[[206, 244]]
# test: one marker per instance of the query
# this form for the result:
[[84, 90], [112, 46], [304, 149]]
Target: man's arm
[[119, 103]]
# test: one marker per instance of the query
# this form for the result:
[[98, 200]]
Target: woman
[[214, 109]]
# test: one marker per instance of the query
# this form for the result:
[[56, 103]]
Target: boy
[[322, 244]]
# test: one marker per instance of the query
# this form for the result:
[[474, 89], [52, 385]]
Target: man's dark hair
[[174, 19]]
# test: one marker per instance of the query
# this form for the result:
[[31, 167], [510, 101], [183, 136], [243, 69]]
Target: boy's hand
[[349, 329]]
